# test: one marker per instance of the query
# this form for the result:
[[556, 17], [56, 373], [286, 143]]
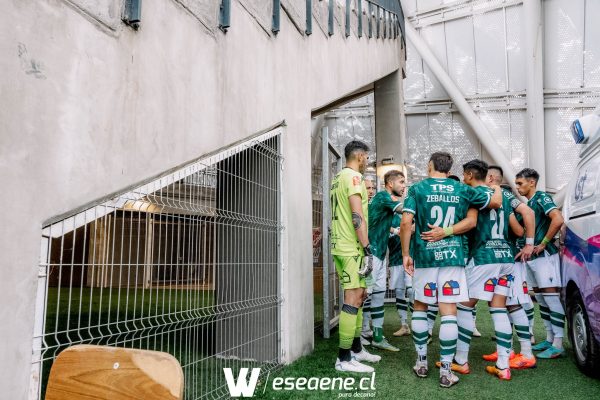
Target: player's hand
[[435, 234], [525, 254], [539, 249], [367, 266], [408, 264]]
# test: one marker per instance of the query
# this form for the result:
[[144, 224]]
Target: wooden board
[[101, 372]]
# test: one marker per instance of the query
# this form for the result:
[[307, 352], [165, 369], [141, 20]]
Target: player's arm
[[438, 233], [556, 221], [529, 221], [496, 199], [515, 226], [358, 219], [406, 226]]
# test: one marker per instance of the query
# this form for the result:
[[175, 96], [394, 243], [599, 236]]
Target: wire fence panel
[[326, 285], [187, 263]]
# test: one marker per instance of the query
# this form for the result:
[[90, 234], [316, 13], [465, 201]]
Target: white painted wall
[[89, 107], [481, 44]]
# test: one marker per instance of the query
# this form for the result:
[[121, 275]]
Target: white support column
[[535, 87], [482, 132]]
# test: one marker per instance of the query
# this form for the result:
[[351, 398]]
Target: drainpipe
[[535, 88], [482, 132]]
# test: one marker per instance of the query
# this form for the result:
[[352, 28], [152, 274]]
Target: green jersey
[[488, 242], [394, 244], [344, 241], [516, 243], [541, 203], [381, 211], [513, 240], [440, 202]]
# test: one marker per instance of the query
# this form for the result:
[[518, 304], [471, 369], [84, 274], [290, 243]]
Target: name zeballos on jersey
[[440, 202]]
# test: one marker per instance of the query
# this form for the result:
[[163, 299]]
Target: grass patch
[[552, 379]]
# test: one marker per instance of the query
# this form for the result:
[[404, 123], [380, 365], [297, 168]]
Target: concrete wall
[[89, 107]]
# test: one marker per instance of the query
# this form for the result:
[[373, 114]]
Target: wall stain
[[30, 65]]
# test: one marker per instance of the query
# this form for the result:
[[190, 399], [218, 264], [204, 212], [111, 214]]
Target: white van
[[580, 254]]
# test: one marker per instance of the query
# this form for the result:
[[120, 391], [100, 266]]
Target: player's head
[[440, 162], [356, 153], [526, 181], [370, 185], [395, 182], [495, 175], [454, 178], [474, 171]]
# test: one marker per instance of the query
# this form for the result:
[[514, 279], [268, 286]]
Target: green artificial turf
[[552, 379]]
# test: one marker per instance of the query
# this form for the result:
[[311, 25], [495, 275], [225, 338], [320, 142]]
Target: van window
[[583, 199]]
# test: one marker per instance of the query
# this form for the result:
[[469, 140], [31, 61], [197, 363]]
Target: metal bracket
[[132, 13]]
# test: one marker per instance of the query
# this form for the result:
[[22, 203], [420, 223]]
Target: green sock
[[377, 334], [347, 327]]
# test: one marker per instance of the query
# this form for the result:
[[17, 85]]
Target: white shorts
[[440, 284], [399, 279], [544, 271], [378, 278], [486, 280], [520, 291]]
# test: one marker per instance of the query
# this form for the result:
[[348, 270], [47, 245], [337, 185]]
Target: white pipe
[[533, 29], [482, 132]]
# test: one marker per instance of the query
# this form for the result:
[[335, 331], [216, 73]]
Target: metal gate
[[187, 263], [326, 283]]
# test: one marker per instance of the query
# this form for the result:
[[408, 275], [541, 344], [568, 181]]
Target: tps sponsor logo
[[451, 288], [437, 187], [242, 387]]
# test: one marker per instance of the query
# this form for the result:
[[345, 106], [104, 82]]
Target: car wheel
[[585, 347]]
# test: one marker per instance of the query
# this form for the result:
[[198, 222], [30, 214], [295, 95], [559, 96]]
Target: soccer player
[[488, 274], [543, 270], [352, 255], [476, 332], [522, 248], [382, 208], [367, 333], [370, 185], [438, 267], [400, 281]]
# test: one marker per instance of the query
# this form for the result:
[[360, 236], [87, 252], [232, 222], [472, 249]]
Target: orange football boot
[[502, 374], [456, 367], [522, 362], [494, 356]]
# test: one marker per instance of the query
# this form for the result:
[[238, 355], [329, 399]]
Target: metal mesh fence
[[326, 302], [187, 263]]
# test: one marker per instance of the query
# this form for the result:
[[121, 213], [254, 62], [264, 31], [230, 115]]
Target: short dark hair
[[391, 175], [353, 147], [506, 187], [529, 173], [497, 168], [442, 161], [479, 169], [454, 178]]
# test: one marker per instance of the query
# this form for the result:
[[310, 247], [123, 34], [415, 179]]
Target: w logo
[[242, 387]]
